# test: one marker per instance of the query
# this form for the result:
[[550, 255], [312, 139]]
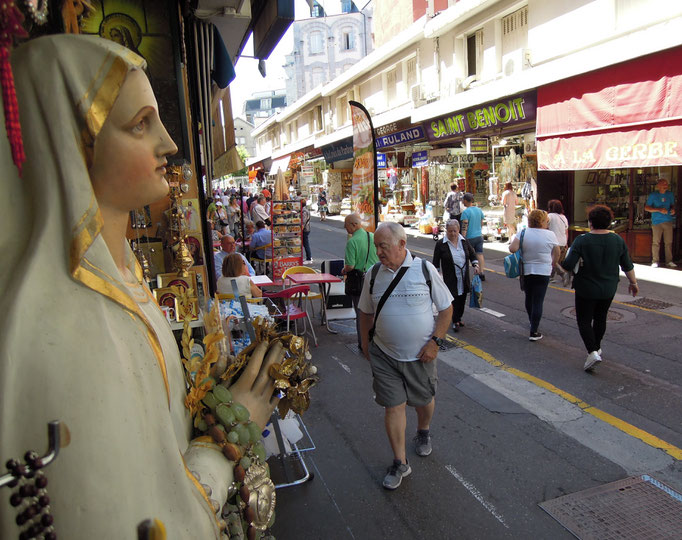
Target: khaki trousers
[[666, 231]]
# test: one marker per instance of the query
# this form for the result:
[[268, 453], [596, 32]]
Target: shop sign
[[477, 145], [393, 127], [420, 159], [338, 151], [495, 114], [401, 137], [654, 147], [381, 161]]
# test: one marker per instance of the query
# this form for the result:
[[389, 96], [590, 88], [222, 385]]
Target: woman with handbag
[[599, 254], [359, 257], [540, 255], [452, 256]]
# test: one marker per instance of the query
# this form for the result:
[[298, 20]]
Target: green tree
[[243, 154]]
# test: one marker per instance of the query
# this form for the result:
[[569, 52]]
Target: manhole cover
[[649, 303], [614, 315], [449, 343], [637, 507]]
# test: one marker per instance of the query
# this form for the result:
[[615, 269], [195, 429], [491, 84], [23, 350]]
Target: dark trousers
[[591, 315], [535, 288], [458, 304], [306, 245]]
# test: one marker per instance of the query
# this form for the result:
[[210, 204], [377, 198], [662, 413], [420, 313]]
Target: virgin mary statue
[[81, 338]]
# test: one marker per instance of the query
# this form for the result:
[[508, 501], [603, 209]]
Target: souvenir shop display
[[287, 236]]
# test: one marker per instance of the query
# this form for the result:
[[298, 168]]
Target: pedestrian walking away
[[472, 229], [452, 256], [558, 224], [360, 255], [661, 204], [453, 204], [540, 254], [401, 341], [305, 219], [598, 256], [509, 202]]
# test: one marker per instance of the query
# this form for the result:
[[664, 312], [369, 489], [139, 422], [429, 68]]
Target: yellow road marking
[[619, 424]]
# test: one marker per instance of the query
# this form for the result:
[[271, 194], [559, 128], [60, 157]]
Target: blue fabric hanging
[[223, 70]]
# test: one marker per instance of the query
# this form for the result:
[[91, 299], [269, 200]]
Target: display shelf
[[287, 234]]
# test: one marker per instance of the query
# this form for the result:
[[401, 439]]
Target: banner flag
[[365, 180]]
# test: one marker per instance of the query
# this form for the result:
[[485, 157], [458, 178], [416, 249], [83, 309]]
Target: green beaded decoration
[[245, 462], [233, 437], [225, 414], [223, 394], [210, 401], [254, 432], [241, 412], [244, 435]]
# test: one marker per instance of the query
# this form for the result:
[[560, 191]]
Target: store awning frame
[[280, 164], [626, 115]]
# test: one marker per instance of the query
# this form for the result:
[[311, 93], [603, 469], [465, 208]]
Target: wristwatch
[[439, 341]]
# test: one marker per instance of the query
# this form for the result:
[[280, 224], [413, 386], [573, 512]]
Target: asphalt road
[[517, 422]]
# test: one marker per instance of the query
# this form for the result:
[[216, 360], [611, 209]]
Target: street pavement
[[517, 423]]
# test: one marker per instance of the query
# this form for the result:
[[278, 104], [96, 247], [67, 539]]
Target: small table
[[261, 280], [317, 279]]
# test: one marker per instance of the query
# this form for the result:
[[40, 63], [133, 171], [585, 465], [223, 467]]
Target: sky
[[249, 79]]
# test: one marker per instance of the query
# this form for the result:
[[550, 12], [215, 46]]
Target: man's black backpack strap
[[386, 294]]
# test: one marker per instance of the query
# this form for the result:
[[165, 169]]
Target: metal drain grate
[[649, 303], [353, 347], [637, 507]]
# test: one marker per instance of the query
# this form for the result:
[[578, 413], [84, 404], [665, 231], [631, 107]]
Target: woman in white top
[[509, 200], [234, 269], [559, 225], [540, 253]]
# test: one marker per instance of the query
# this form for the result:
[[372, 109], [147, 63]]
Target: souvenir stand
[[287, 235]]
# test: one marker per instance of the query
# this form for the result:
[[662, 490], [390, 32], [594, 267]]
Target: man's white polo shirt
[[406, 321]]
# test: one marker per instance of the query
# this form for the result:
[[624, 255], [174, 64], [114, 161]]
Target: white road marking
[[344, 366], [491, 312], [477, 494]]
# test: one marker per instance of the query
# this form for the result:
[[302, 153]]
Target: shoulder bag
[[355, 277], [514, 261]]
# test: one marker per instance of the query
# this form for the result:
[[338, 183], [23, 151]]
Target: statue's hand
[[254, 389]]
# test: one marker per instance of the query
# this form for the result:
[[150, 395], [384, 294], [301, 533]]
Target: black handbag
[[355, 278]]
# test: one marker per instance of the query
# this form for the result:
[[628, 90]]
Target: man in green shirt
[[360, 255]]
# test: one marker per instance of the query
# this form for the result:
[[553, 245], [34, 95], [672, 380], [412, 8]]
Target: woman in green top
[[600, 254]]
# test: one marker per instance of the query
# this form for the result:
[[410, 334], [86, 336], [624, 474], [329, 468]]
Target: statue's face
[[128, 163]]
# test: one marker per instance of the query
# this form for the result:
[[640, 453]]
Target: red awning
[[627, 115]]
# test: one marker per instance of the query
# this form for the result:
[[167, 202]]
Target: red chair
[[294, 299]]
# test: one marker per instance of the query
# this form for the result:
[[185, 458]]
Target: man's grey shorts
[[399, 382]]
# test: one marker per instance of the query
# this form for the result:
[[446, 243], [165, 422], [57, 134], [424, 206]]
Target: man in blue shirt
[[661, 204], [228, 245], [472, 225], [262, 237]]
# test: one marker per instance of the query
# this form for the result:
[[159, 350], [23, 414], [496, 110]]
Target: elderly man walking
[[360, 255], [401, 341]]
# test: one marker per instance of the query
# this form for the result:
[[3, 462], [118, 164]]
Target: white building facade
[[457, 75]]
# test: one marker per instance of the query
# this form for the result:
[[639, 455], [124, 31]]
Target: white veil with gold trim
[[74, 344]]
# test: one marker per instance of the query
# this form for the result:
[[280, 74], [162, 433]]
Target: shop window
[[317, 76], [391, 86], [514, 40], [319, 119], [475, 53], [347, 39], [411, 72], [266, 103], [316, 43]]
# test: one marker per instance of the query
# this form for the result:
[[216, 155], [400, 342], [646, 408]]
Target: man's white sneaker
[[654, 265], [671, 265], [592, 360]]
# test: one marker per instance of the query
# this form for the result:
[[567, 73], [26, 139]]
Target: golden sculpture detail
[[183, 258]]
